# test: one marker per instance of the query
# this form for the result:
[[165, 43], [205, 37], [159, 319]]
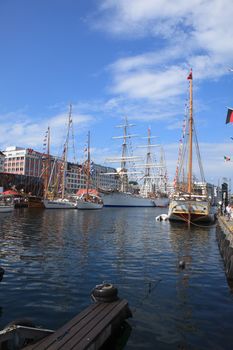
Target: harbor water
[[53, 259]]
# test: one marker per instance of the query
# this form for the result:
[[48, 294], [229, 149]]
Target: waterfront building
[[2, 159], [22, 161], [28, 162], [76, 177]]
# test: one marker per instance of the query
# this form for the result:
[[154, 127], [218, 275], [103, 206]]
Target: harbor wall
[[225, 242]]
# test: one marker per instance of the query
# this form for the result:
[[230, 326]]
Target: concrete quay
[[225, 242]]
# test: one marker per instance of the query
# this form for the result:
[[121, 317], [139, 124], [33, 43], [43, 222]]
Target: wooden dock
[[88, 330]]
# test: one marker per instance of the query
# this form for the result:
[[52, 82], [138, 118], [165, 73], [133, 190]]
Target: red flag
[[229, 116], [190, 76]]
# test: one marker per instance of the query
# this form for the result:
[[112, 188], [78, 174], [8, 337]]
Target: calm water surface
[[53, 258]]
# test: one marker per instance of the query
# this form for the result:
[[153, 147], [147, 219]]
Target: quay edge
[[225, 242]]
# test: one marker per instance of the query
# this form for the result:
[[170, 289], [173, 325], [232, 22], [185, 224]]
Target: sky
[[114, 59]]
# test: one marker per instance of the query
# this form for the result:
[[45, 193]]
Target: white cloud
[[28, 132], [196, 33]]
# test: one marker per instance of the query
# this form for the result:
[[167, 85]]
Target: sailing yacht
[[62, 202], [89, 199], [188, 204], [124, 197]]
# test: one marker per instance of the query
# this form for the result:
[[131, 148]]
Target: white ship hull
[[6, 208], [86, 205], [59, 204], [161, 202], [120, 199], [190, 211]]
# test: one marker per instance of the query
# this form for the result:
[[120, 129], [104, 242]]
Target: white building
[[24, 161]]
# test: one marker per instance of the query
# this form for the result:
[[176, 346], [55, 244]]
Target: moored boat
[[188, 204], [88, 198], [6, 204], [124, 199], [62, 201], [59, 204]]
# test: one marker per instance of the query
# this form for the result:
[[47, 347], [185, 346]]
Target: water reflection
[[53, 259]]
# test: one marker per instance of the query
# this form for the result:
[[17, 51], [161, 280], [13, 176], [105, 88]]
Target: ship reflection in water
[[53, 259]]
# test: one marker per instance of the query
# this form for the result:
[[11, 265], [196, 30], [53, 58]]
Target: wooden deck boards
[[87, 330]]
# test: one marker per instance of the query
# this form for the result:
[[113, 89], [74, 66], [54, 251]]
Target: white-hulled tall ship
[[124, 197], [187, 204], [155, 177]]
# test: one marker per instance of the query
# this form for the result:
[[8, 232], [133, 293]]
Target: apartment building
[[26, 161], [101, 177], [2, 159], [22, 161]]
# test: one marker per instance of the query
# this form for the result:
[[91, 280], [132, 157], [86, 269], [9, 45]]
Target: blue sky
[[117, 58]]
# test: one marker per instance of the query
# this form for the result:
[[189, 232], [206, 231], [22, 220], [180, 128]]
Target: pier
[[225, 241], [90, 329]]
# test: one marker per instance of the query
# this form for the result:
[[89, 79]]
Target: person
[[228, 211]]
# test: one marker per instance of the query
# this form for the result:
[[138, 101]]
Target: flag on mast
[[229, 116], [190, 76]]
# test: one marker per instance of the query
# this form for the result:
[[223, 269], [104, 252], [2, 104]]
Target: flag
[[190, 76], [227, 159], [229, 116]]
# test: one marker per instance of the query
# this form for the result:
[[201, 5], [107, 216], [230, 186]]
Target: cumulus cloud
[[194, 33]]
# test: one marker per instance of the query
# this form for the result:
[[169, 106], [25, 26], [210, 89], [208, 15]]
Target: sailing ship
[[89, 199], [188, 203], [155, 177], [124, 196], [61, 202]]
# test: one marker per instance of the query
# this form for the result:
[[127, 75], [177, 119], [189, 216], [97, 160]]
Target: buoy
[[182, 264], [2, 271], [104, 293]]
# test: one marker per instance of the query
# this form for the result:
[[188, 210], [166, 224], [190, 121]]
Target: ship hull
[[88, 205], [6, 208], [59, 204], [162, 202], [120, 199], [190, 211]]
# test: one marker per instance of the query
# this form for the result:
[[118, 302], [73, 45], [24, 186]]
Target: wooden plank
[[98, 333], [83, 337], [93, 322], [62, 330]]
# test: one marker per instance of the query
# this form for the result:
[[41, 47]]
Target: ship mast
[[88, 162], [66, 153], [47, 165], [190, 159]]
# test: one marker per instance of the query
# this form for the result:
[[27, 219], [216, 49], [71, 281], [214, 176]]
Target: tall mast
[[66, 152], [190, 159], [148, 155], [88, 162], [47, 165]]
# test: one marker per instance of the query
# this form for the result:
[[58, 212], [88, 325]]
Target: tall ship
[[154, 184], [125, 196], [88, 198], [188, 203], [54, 194]]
